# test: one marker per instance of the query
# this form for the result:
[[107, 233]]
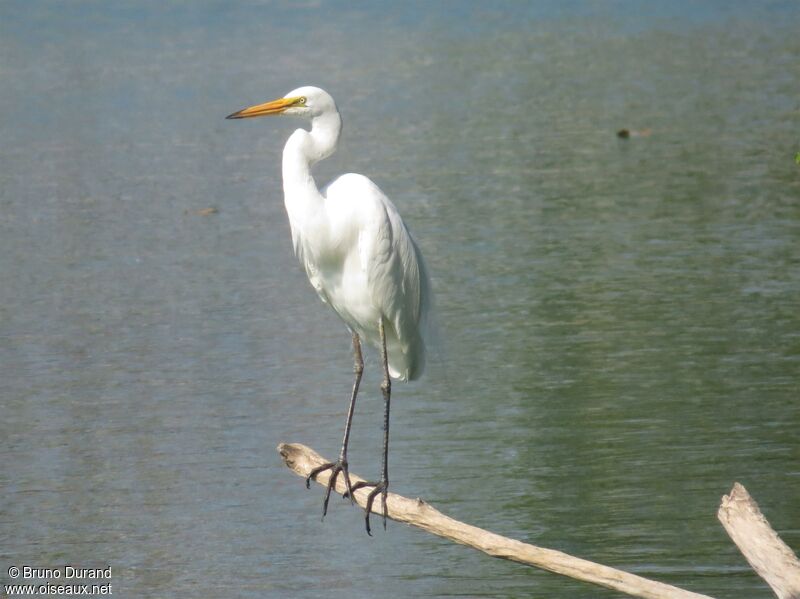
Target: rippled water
[[619, 318]]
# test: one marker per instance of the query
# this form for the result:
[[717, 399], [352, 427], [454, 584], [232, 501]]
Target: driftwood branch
[[302, 460], [768, 555]]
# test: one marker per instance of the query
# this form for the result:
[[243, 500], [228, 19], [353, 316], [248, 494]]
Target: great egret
[[360, 258]]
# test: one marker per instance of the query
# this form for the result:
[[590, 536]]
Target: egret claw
[[381, 487], [340, 466]]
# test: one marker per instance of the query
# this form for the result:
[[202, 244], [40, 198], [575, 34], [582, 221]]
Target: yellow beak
[[268, 108]]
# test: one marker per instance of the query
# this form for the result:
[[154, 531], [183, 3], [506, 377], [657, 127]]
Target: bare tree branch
[[769, 556], [302, 460]]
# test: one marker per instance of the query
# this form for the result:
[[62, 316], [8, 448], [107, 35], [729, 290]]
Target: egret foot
[[381, 487], [339, 466]]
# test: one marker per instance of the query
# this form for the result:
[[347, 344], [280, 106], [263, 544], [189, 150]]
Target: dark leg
[[341, 464], [381, 486]]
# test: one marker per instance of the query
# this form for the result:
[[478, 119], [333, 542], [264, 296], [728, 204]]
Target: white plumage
[[371, 268], [357, 253], [355, 248]]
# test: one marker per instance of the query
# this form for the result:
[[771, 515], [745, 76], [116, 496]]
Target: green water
[[620, 322]]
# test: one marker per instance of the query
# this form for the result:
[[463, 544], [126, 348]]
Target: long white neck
[[303, 149], [306, 148]]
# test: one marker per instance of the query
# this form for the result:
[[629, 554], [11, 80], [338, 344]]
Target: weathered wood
[[770, 557], [302, 460]]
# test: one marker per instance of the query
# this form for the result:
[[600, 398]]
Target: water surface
[[619, 317]]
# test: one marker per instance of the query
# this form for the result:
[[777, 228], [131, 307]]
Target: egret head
[[306, 102]]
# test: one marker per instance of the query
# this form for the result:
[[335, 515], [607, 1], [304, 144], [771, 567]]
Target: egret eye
[[302, 100]]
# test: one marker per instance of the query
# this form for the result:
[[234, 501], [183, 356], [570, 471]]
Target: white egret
[[360, 258]]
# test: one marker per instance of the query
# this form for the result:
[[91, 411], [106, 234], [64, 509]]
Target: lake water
[[620, 318]]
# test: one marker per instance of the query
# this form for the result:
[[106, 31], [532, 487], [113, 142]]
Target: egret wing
[[395, 270]]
